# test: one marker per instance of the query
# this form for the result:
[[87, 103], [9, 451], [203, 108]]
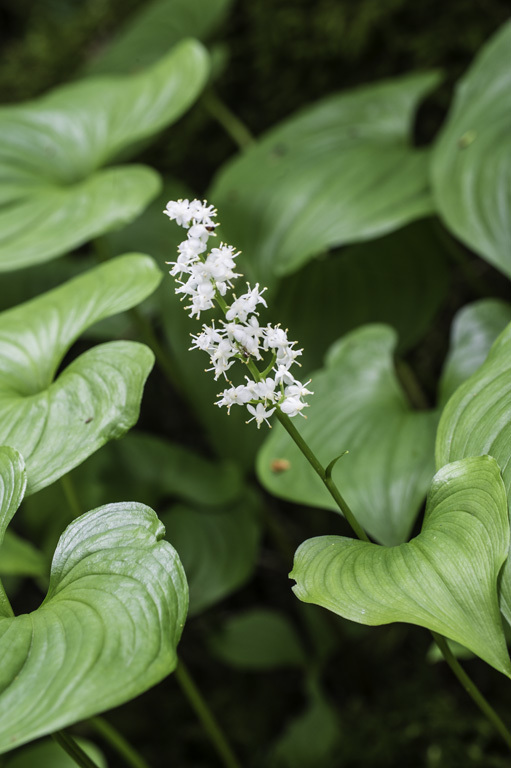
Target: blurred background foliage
[[274, 56]]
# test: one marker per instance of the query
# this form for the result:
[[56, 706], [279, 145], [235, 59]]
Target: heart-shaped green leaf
[[57, 423], [476, 421], [13, 482], [445, 579], [53, 195], [471, 161], [108, 627], [341, 171], [152, 31], [359, 406]]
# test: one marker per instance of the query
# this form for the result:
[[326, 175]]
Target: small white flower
[[260, 414], [292, 405], [235, 396], [179, 211], [297, 389], [266, 389]]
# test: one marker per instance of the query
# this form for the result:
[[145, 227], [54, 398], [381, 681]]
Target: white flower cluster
[[205, 278]]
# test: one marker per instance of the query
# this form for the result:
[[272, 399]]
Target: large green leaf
[[358, 405], [19, 557], [154, 29], [53, 193], [474, 330], [444, 579], [476, 421], [57, 422], [13, 482], [48, 754], [106, 631], [339, 172], [218, 547], [471, 162]]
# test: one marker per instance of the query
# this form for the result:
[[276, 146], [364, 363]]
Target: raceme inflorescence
[[206, 278]]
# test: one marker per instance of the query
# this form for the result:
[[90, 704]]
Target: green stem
[[70, 494], [471, 688], [238, 132], [206, 717], [322, 473], [74, 751], [118, 742]]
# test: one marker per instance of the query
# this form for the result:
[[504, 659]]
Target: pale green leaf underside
[[106, 631], [358, 406], [218, 547], [341, 171], [56, 424], [471, 162], [53, 195], [445, 579], [476, 421]]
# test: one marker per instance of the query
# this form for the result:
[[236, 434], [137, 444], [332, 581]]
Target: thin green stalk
[[206, 717], [232, 125], [325, 477], [74, 751], [68, 487], [118, 742], [471, 688]]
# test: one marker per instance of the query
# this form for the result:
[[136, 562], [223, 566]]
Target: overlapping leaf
[[444, 579], [471, 162], [53, 193], [108, 627], [57, 422], [358, 405], [476, 421], [341, 171]]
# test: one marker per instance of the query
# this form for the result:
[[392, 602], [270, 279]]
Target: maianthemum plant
[[341, 174]]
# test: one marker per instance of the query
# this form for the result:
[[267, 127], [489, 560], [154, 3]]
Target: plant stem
[[206, 717], [322, 473], [460, 673], [74, 751], [238, 132], [70, 494], [471, 688], [411, 385], [118, 742]]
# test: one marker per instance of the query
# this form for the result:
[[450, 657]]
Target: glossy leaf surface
[[444, 579], [471, 162], [476, 421], [108, 627], [53, 194], [57, 422], [359, 406], [339, 172]]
